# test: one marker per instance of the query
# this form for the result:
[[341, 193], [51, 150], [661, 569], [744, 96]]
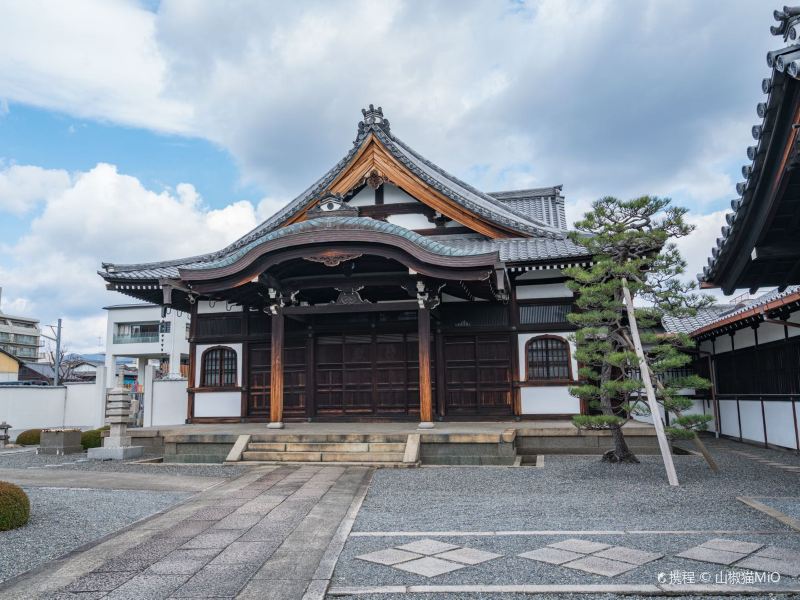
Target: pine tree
[[633, 241]]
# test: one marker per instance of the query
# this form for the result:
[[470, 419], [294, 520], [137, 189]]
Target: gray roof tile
[[720, 312]]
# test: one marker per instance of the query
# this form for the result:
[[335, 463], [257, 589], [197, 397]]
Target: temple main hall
[[388, 290]]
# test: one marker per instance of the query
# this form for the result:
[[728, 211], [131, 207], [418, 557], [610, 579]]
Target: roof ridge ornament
[[788, 23], [372, 118]]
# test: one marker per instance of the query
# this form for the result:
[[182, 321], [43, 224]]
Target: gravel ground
[[63, 519], [788, 506], [574, 493], [29, 459], [569, 493]]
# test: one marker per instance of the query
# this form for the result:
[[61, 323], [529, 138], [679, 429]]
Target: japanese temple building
[[387, 290]]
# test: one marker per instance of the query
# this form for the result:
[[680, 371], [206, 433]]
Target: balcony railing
[[142, 338]]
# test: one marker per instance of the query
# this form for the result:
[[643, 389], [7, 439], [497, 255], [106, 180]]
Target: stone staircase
[[372, 449]]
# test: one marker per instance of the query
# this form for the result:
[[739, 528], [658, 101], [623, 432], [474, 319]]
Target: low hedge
[[92, 438], [29, 437], [15, 508]]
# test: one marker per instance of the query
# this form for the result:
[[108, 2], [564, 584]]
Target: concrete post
[[141, 365], [117, 445], [148, 395]]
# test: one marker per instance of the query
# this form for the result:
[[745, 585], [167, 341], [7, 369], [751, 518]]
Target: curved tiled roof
[[170, 269], [785, 65], [341, 224]]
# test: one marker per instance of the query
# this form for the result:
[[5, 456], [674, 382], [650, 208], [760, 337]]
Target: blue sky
[[134, 131]]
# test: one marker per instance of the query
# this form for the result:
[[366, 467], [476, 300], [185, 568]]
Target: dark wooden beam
[[322, 309], [276, 374], [785, 249]]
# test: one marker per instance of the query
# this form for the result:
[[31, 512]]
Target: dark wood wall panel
[[478, 372]]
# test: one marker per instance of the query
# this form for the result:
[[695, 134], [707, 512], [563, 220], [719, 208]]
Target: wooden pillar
[[425, 395], [276, 374]]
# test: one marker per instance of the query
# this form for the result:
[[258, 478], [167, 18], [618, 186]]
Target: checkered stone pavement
[[429, 558], [746, 555], [592, 557]]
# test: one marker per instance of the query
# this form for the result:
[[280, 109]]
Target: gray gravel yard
[[63, 519], [31, 460], [569, 495], [574, 493]]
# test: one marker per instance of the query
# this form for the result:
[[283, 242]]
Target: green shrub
[[91, 439], [15, 508], [30, 437]]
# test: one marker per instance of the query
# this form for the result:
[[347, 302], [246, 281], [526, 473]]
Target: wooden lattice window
[[218, 367], [548, 359]]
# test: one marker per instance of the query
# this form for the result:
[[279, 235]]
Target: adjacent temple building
[[389, 289]]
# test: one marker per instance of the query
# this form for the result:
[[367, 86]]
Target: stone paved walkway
[[271, 533]]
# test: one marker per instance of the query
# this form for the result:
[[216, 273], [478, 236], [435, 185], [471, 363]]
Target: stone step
[[326, 447], [361, 457], [377, 457], [336, 438], [283, 456]]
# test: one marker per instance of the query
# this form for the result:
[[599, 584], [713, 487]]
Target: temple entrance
[[368, 375]]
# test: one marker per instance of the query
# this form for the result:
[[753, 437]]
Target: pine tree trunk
[[621, 453]]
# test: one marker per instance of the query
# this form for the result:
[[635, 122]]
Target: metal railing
[[143, 338]]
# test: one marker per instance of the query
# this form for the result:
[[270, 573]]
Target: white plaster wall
[[206, 307], [780, 424], [365, 197], [744, 338], [543, 290], [394, 195], [200, 348], [752, 425], [8, 376], [770, 332], [218, 404], [168, 403], [548, 400], [542, 274], [723, 344], [410, 221], [727, 412]]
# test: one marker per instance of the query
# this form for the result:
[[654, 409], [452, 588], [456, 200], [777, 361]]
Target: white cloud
[[90, 58], [23, 187], [105, 215], [587, 94], [696, 247]]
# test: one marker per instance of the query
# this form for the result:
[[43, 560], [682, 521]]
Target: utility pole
[[57, 359]]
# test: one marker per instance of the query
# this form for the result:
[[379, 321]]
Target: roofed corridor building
[[389, 289]]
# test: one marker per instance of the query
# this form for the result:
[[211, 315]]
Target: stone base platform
[[449, 443], [120, 453]]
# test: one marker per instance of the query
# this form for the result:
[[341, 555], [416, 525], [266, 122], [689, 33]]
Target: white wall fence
[[82, 405], [769, 420], [68, 405]]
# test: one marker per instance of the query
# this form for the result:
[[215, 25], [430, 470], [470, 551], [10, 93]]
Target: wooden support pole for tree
[[666, 452], [276, 374]]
